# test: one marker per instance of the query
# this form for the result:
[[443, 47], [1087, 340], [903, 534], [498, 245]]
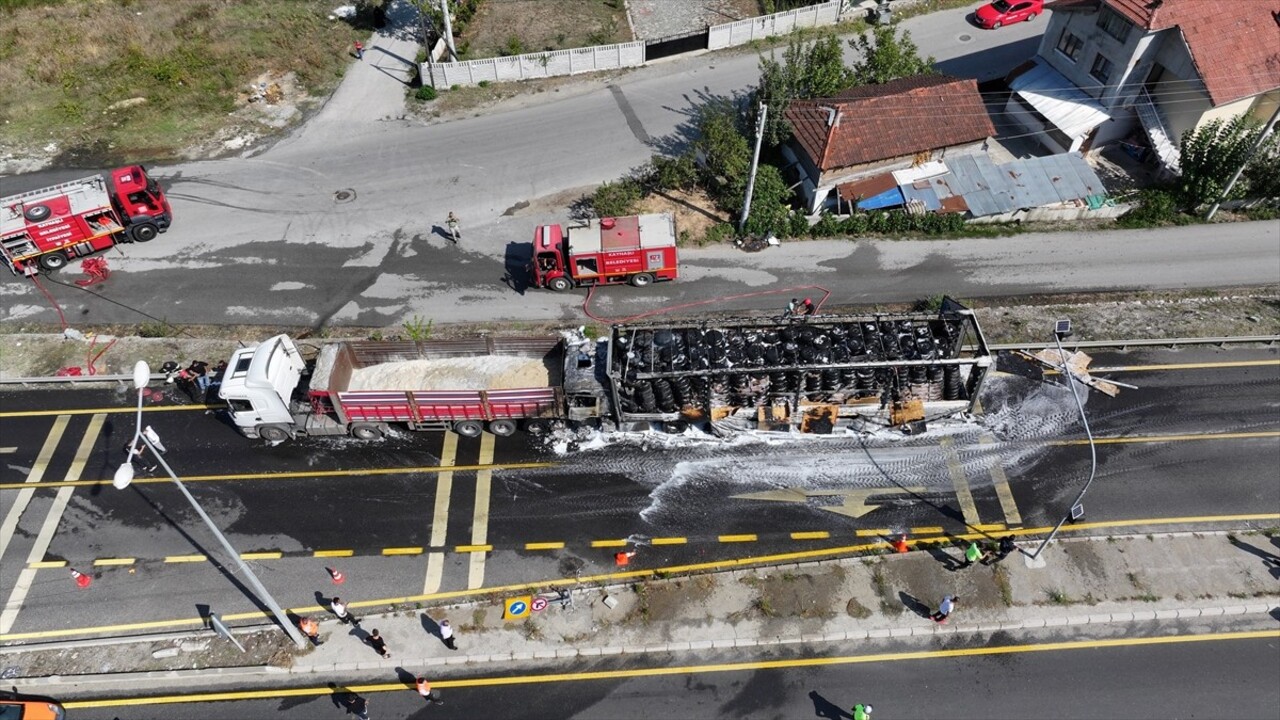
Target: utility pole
[[755, 162], [1262, 137], [448, 31]]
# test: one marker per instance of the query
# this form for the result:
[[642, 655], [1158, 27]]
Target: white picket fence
[[538, 65], [744, 31]]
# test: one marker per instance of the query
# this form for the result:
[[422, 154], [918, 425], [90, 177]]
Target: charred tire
[[537, 428], [273, 433], [468, 428], [641, 280], [675, 427], [145, 232], [503, 428], [366, 432], [54, 261], [37, 213], [559, 284]]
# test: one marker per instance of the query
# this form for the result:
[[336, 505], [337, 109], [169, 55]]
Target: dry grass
[[512, 27], [65, 66]]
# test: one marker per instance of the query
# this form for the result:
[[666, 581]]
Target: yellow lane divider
[[1170, 438], [597, 675], [107, 411]]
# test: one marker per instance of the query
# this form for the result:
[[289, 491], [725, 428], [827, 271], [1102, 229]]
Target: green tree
[[1209, 155], [1262, 174], [770, 212], [887, 57], [805, 72], [725, 154]]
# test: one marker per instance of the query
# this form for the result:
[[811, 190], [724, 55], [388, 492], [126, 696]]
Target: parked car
[[1004, 12], [17, 706]]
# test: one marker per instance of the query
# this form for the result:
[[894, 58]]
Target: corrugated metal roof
[[990, 189], [923, 191], [1065, 105]]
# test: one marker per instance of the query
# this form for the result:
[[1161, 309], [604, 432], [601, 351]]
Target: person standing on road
[[424, 689], [452, 222], [339, 609], [1006, 548], [862, 712], [311, 629], [137, 451], [357, 705], [972, 554], [945, 609], [154, 437], [359, 50], [446, 635], [377, 643]]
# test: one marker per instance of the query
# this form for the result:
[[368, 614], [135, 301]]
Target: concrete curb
[[921, 630]]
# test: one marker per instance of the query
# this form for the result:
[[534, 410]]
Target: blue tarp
[[889, 198]]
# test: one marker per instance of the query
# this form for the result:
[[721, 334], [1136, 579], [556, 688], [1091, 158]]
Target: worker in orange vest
[[424, 689], [311, 629]]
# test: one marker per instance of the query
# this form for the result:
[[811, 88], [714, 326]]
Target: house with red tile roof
[[873, 129], [1147, 71]]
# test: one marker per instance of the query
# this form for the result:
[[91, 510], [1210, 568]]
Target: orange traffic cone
[[623, 559], [81, 579], [338, 577], [901, 543]]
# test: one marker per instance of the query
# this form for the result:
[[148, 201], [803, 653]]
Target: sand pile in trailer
[[489, 372]]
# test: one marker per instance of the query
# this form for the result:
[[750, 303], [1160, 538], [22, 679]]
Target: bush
[[617, 198], [718, 233], [1155, 207], [425, 93], [677, 173], [514, 46]]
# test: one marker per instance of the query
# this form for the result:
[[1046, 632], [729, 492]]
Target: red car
[[1004, 12]]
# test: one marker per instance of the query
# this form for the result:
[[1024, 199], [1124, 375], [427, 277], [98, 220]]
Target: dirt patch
[[515, 27], [797, 595], [694, 211], [684, 599]]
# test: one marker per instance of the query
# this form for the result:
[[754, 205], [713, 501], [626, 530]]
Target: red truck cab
[[639, 249]]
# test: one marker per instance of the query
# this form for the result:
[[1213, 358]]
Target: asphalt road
[[265, 239], [1213, 679], [366, 497]]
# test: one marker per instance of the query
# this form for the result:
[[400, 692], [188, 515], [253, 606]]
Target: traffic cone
[[623, 559], [901, 543], [81, 579], [338, 577]]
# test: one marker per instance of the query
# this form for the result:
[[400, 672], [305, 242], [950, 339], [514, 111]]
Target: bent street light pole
[[1093, 449], [124, 476]]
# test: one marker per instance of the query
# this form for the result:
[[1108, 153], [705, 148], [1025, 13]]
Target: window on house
[[1113, 24], [1070, 45], [1101, 70]]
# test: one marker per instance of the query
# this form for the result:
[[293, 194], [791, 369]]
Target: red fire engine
[[639, 249], [52, 226]]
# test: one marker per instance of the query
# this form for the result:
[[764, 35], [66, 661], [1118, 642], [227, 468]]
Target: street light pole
[[124, 476], [1063, 329]]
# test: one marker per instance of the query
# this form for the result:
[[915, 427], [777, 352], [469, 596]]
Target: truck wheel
[[536, 428], [502, 428], [641, 280], [145, 232], [559, 284], [468, 428], [273, 433], [37, 213], [675, 427], [366, 432], [53, 261]]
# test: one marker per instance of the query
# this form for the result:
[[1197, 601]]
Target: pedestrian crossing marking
[[1001, 482], [964, 496]]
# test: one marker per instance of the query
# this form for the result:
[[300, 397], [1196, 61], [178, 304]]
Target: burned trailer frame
[[813, 373]]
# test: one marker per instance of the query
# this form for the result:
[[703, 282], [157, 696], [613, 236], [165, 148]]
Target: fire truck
[[49, 227], [640, 250]]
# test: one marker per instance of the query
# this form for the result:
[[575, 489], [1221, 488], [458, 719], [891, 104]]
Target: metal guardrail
[[75, 379]]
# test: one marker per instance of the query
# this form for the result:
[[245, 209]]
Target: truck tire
[[273, 433], [559, 284], [468, 428], [503, 428], [145, 232], [53, 261], [536, 428], [365, 431], [641, 280], [37, 213], [675, 427]]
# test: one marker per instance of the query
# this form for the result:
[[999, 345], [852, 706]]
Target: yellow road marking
[[473, 549], [480, 515], [440, 517], [333, 553], [402, 551], [1170, 438], [812, 535], [669, 541], [691, 669], [185, 558], [797, 556], [1188, 366], [608, 543], [746, 537], [107, 411], [964, 497], [300, 474], [20, 503], [8, 450], [261, 555], [544, 546], [1001, 482], [114, 561], [873, 532], [44, 564], [926, 530]]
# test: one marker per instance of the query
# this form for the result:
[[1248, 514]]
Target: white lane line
[[440, 519], [10, 524], [480, 518], [50, 526]]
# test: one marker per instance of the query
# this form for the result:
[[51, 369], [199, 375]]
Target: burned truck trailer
[[812, 374]]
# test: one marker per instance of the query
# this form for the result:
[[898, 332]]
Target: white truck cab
[[259, 385]]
